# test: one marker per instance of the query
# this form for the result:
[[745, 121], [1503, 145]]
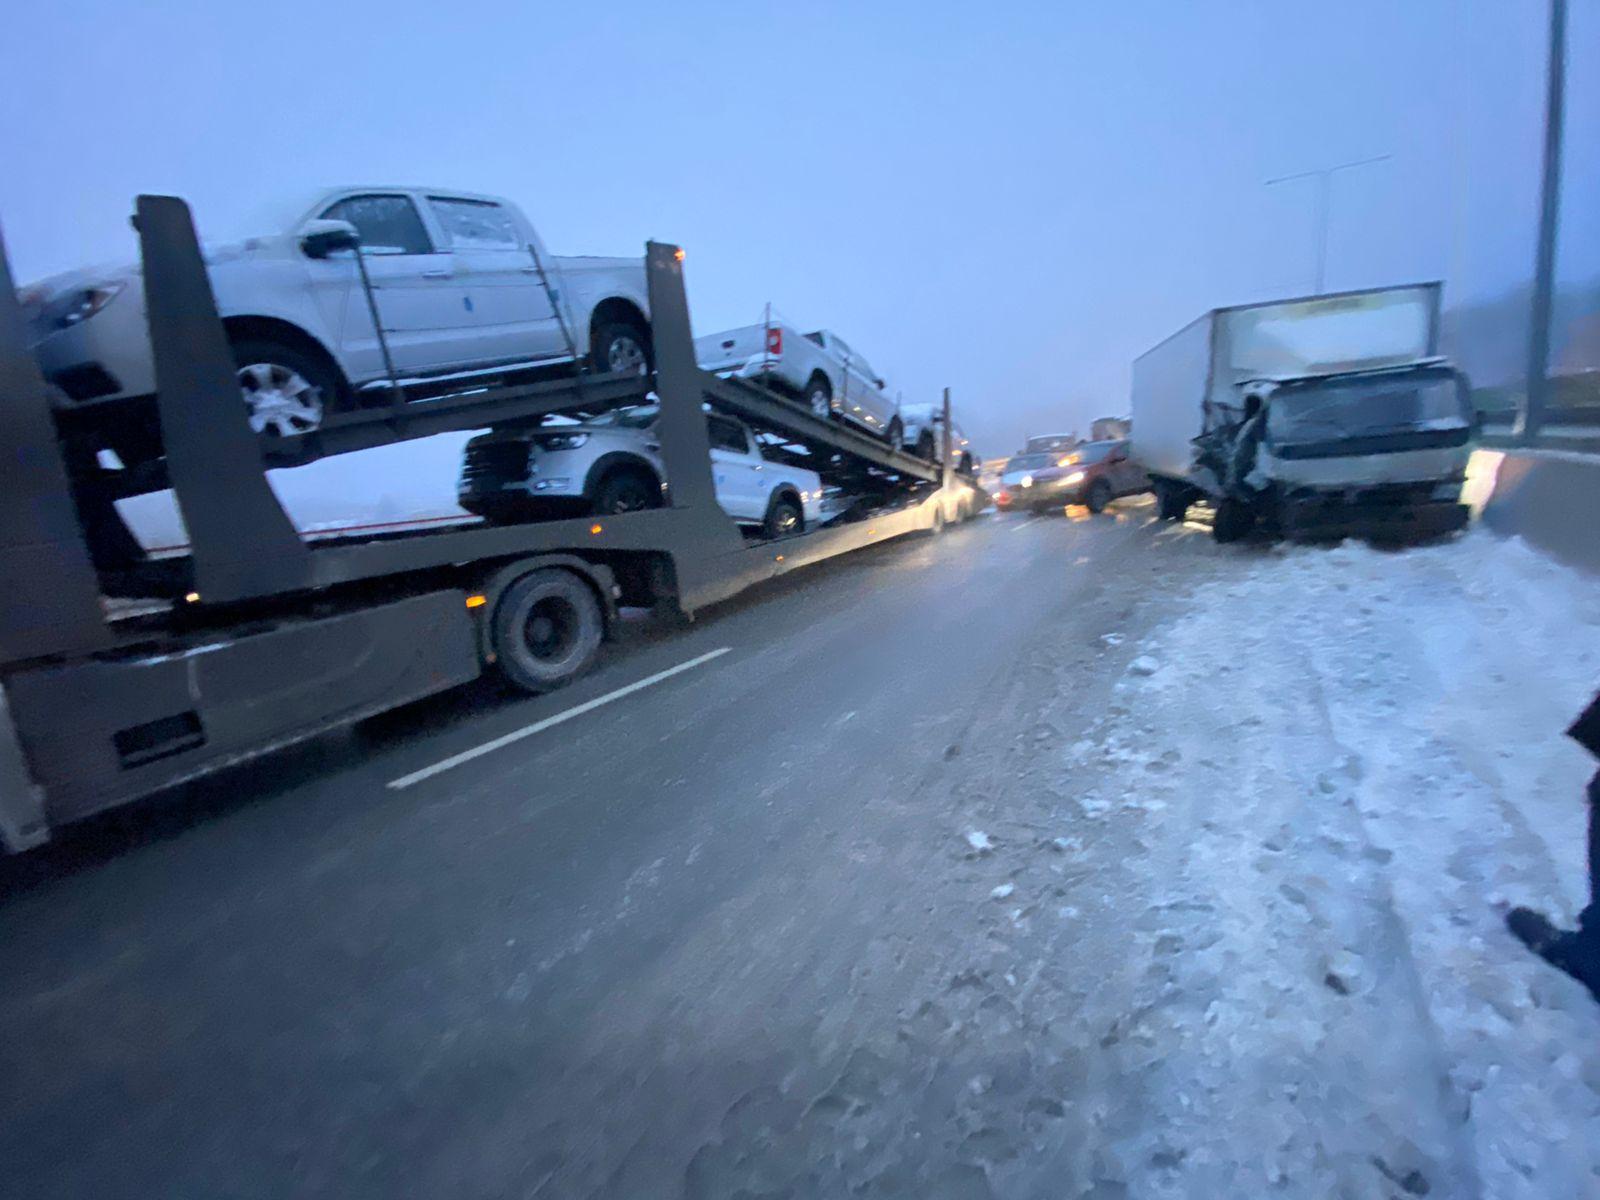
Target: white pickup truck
[[461, 282], [819, 368]]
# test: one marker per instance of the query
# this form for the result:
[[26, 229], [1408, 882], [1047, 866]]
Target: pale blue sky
[[1012, 199]]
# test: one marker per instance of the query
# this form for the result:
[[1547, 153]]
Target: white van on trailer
[[1314, 417]]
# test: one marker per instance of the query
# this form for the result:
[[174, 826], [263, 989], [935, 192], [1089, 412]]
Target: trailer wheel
[[546, 630], [1233, 521], [784, 517], [1099, 496], [819, 396]]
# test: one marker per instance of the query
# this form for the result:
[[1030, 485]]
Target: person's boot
[[1576, 952]]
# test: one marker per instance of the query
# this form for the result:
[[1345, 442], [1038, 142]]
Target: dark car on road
[[1094, 474]]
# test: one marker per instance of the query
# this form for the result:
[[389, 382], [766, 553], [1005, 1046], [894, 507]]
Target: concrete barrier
[[1548, 497]]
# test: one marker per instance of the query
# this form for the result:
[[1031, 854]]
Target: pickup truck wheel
[[925, 445], [626, 489], [620, 348], [1099, 496], [546, 630], [286, 391], [1232, 521], [784, 517], [819, 397], [895, 435]]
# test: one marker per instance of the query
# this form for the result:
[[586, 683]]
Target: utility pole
[[1324, 178], [1544, 264]]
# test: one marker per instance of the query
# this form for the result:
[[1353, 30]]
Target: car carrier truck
[[124, 672], [1313, 417]]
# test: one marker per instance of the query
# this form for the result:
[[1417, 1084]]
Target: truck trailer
[[1311, 417], [124, 671]]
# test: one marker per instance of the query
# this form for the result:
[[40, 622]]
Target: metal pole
[[944, 450], [1324, 178], [397, 394], [1324, 190], [1549, 214]]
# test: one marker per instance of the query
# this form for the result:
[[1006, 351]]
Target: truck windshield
[[1029, 462], [1364, 407]]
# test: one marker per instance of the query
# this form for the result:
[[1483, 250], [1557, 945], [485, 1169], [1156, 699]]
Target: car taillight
[[775, 341]]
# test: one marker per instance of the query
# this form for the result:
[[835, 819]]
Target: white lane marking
[[1025, 524], [516, 735]]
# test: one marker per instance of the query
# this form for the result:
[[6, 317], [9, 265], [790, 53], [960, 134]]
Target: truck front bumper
[[1332, 516]]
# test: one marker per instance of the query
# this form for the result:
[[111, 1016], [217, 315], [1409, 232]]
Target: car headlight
[[1026, 481], [78, 305], [1074, 479], [561, 441]]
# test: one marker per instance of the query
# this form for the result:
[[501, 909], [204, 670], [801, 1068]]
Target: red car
[[1094, 474]]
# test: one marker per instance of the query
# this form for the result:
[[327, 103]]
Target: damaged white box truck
[[1312, 418]]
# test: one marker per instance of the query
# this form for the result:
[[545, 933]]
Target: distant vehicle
[[612, 464], [461, 282], [1109, 429], [924, 435], [1016, 479], [1094, 475], [818, 368], [1320, 416], [1046, 443]]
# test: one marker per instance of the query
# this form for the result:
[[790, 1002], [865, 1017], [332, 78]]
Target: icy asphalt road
[[925, 887]]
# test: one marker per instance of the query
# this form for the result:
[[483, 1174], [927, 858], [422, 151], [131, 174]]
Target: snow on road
[[1344, 766]]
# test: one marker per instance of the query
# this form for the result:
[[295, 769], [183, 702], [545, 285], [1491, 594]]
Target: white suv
[[612, 464]]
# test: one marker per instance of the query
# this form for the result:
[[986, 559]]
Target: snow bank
[[1369, 771]]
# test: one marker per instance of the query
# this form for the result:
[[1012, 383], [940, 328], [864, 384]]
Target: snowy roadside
[[1347, 764]]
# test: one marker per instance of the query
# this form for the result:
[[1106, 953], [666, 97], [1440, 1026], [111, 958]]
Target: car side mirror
[[325, 236]]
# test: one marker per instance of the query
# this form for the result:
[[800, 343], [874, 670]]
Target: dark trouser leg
[[1589, 918]]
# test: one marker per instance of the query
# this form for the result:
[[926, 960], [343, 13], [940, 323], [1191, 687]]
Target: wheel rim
[[820, 404], [625, 356], [280, 400], [550, 630], [787, 519], [628, 498]]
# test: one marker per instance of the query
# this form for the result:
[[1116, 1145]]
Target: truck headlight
[[1073, 479], [561, 441], [78, 305]]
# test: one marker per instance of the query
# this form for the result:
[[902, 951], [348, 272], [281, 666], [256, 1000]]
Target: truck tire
[[784, 517], [1233, 521], [819, 396], [624, 490], [1172, 502], [1099, 496], [926, 447], [620, 348], [287, 391], [546, 630], [895, 434]]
